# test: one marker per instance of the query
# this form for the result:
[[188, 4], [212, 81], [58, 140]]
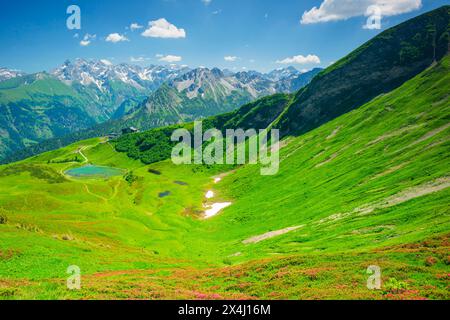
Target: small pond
[[94, 172], [165, 194]]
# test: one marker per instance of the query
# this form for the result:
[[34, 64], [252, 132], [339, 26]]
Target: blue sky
[[252, 34]]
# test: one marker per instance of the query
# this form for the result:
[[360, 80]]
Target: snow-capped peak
[[101, 72], [6, 74]]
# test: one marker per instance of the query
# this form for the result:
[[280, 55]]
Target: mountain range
[[203, 92], [87, 98], [394, 56]]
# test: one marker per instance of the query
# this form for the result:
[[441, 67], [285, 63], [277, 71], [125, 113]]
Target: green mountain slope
[[155, 145], [377, 67], [103, 105], [38, 107], [368, 188], [373, 69], [384, 165]]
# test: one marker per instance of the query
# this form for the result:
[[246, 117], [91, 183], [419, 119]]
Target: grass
[[130, 243]]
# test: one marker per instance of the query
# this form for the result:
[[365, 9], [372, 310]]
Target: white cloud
[[162, 28], [230, 58], [106, 62], [116, 37], [309, 59], [135, 26], [87, 39], [335, 10], [137, 59], [206, 2], [169, 58]]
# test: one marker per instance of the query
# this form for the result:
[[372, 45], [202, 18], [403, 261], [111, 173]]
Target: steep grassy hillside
[[156, 145], [37, 107], [368, 188], [377, 67]]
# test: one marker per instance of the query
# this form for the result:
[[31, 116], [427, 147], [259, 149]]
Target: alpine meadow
[[94, 207]]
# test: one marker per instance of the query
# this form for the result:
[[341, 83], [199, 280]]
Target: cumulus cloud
[[87, 39], [335, 10], [135, 26], [162, 28], [309, 59], [169, 58], [137, 59], [230, 58], [206, 2], [106, 62], [116, 37]]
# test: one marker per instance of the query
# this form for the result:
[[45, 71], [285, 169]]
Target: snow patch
[[215, 208]]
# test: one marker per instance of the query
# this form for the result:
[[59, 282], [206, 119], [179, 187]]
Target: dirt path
[[270, 234], [72, 163], [392, 134], [401, 197], [430, 134], [116, 190], [86, 187], [406, 195], [416, 192], [330, 158], [114, 194], [334, 133], [80, 151]]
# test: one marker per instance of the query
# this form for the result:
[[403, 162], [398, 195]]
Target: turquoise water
[[94, 172]]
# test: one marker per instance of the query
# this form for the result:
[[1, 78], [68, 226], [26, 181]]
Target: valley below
[[362, 188]]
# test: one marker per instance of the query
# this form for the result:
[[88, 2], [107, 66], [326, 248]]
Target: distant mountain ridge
[[100, 97], [75, 96], [102, 72], [6, 74], [202, 92], [374, 69]]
